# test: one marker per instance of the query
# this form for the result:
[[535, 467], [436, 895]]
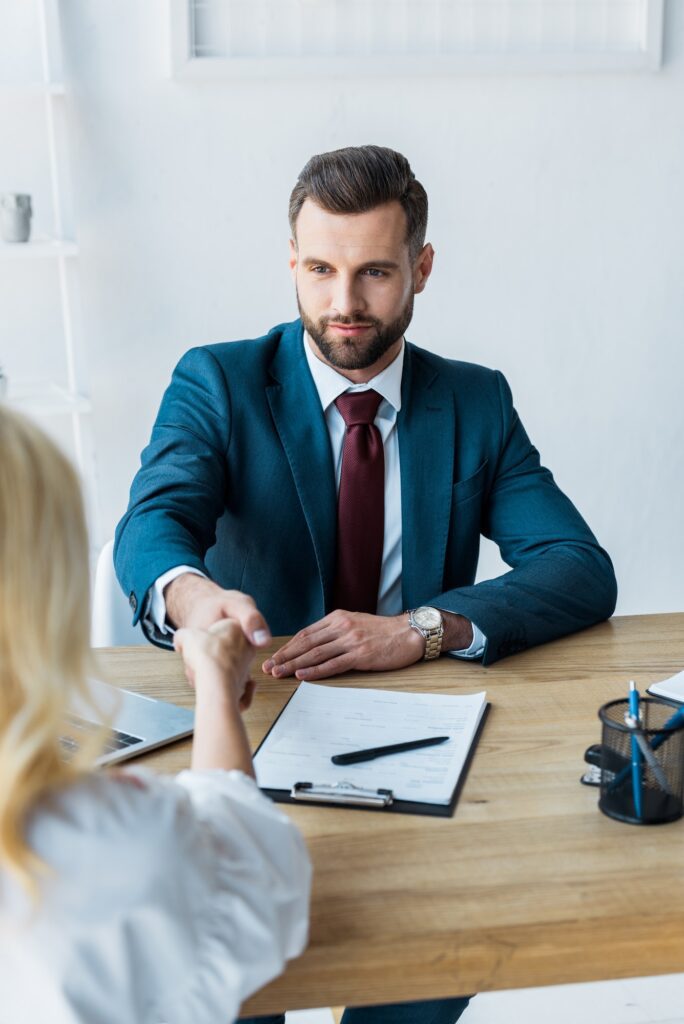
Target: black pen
[[393, 748]]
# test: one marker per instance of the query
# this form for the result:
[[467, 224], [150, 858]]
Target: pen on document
[[636, 753], [394, 748]]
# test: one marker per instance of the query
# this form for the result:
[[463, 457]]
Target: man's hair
[[359, 178]]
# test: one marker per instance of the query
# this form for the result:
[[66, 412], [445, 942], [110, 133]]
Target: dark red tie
[[360, 505]]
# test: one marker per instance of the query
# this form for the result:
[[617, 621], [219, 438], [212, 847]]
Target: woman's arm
[[217, 663]]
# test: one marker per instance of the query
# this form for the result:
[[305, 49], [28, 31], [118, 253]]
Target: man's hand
[[354, 640], [348, 640], [194, 602]]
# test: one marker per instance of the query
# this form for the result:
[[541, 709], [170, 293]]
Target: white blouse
[[168, 900]]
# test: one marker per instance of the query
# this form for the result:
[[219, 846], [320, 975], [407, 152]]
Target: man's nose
[[346, 299]]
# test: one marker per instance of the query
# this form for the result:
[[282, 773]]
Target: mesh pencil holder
[[642, 769]]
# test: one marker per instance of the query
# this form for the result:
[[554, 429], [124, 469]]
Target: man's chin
[[348, 353]]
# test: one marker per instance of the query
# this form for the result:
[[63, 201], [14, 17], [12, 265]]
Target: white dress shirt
[[166, 900], [330, 385]]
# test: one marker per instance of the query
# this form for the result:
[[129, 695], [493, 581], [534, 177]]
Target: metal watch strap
[[433, 637], [433, 644]]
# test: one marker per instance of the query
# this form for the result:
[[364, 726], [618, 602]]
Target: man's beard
[[351, 353]]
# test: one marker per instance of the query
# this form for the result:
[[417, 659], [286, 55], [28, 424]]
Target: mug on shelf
[[15, 216]]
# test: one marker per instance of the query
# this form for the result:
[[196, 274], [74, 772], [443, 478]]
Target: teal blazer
[[238, 481]]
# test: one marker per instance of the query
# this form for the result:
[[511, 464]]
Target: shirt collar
[[330, 384]]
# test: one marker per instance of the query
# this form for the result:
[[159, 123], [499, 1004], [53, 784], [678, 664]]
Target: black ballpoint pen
[[394, 748]]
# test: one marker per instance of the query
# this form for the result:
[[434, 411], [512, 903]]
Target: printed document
[[670, 689], [320, 721]]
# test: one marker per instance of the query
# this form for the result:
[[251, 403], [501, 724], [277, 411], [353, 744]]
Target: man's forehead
[[382, 229]]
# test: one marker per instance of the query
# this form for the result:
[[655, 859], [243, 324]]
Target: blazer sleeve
[[560, 581], [178, 493]]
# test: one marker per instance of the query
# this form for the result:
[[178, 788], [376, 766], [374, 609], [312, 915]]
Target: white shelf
[[43, 85], [45, 398], [38, 249], [31, 88]]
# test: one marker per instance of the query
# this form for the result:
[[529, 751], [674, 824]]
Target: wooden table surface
[[528, 884]]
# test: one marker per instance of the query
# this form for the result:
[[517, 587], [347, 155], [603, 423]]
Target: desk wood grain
[[528, 884]]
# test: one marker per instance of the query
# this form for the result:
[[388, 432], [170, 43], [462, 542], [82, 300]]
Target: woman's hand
[[218, 660]]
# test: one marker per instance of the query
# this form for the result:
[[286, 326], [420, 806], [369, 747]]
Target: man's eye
[[374, 272], [320, 270]]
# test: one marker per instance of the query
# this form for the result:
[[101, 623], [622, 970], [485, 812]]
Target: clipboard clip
[[341, 793]]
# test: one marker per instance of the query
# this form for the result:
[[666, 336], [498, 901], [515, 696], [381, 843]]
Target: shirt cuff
[[154, 610], [476, 649]]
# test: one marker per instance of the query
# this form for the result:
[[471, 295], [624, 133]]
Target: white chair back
[[111, 624]]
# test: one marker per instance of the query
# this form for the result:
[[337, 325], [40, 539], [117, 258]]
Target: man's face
[[355, 284]]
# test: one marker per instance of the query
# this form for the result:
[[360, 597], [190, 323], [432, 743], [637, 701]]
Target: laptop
[[139, 724]]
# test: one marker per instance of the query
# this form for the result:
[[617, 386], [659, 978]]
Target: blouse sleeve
[[250, 895]]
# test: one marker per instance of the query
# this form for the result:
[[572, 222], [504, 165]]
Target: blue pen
[[673, 722], [636, 753]]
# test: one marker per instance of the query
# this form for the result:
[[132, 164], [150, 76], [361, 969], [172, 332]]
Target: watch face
[[427, 618]]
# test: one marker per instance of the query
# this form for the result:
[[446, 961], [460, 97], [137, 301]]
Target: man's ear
[[423, 268], [293, 257]]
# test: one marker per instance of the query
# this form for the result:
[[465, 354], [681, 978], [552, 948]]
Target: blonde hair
[[45, 657]]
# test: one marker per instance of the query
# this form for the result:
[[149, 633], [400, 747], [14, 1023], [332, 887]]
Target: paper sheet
[[321, 721], [672, 688]]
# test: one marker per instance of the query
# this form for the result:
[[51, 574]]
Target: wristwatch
[[430, 624]]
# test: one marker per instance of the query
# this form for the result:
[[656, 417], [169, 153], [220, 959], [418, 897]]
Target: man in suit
[[330, 480]]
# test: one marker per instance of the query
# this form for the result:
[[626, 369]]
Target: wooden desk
[[528, 884]]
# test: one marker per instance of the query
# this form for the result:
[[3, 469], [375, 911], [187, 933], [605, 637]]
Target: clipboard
[[347, 794]]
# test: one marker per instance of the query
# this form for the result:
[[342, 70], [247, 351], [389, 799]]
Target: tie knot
[[358, 407]]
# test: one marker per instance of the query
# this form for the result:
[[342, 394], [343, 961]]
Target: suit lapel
[[426, 428], [299, 420]]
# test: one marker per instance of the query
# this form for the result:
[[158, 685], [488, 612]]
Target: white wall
[[557, 213]]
